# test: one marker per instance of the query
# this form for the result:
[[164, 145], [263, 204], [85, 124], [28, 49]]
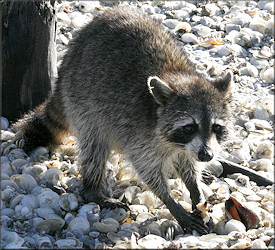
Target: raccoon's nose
[[205, 154]]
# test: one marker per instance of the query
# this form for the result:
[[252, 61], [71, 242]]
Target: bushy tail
[[45, 126]]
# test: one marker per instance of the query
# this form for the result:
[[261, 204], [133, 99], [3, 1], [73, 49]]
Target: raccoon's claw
[[199, 225], [207, 177], [102, 200], [112, 204]]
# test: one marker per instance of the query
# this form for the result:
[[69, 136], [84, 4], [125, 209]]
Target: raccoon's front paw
[[197, 223], [201, 213], [207, 177]]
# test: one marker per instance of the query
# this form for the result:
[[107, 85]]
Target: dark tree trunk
[[28, 55]]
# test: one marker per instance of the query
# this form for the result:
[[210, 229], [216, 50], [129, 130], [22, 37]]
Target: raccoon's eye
[[190, 129], [217, 128]]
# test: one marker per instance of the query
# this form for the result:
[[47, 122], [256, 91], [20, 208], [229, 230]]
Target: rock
[[171, 23], [258, 244], [202, 30], [79, 225], [234, 225], [4, 123], [261, 165], [189, 38], [63, 17], [223, 51], [230, 26], [268, 75], [261, 113], [261, 124]]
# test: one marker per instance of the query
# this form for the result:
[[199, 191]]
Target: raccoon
[[125, 84]]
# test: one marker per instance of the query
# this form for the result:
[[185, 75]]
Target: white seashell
[[260, 64], [223, 192], [269, 7], [138, 208], [148, 199], [202, 30], [212, 9], [265, 150], [151, 241], [106, 225], [252, 70], [49, 199], [143, 217], [215, 168], [24, 181], [68, 243], [250, 126], [6, 135], [171, 23], [50, 226], [63, 39], [63, 17], [68, 202], [148, 9], [53, 176], [258, 244], [268, 75], [4, 124], [261, 123], [78, 20], [181, 14], [11, 240], [36, 171], [270, 25], [242, 244], [131, 192], [258, 24], [189, 38], [80, 225], [126, 172], [223, 50], [253, 197], [88, 6], [266, 52], [262, 165]]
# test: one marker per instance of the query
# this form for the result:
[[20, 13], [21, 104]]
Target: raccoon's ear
[[223, 83], [159, 90]]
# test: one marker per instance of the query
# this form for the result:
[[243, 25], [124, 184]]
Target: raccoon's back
[[118, 50]]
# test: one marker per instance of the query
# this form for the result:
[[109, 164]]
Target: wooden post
[[28, 55]]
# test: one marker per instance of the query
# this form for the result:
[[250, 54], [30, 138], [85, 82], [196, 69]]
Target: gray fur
[[125, 84]]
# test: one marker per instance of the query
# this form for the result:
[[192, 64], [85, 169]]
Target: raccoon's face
[[194, 119]]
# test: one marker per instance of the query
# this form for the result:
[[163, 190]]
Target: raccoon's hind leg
[[45, 126], [94, 152]]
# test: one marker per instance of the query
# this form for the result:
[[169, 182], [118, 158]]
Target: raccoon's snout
[[205, 154]]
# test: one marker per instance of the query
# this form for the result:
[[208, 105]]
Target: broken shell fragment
[[183, 26], [237, 211], [204, 207]]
